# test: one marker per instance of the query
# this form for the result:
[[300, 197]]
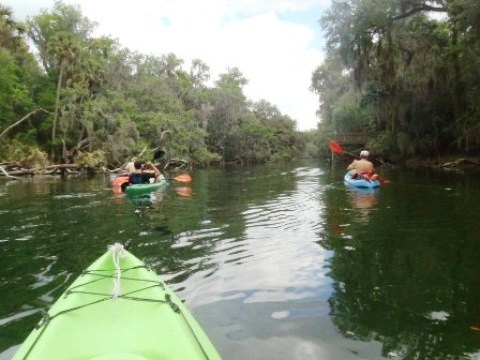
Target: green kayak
[[142, 189], [118, 309]]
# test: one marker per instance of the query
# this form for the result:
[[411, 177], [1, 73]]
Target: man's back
[[361, 166]]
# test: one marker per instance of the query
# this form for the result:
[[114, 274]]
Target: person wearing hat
[[363, 168]]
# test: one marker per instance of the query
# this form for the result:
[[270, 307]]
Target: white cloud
[[275, 55]]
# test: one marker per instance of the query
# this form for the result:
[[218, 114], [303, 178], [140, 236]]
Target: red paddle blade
[[383, 180], [183, 178], [335, 147]]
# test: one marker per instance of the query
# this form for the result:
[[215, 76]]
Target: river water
[[275, 262]]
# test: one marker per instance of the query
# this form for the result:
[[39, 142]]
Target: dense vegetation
[[89, 100], [407, 72]]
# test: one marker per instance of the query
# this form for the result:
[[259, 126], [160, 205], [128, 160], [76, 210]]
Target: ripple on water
[[197, 237], [42, 277], [27, 226], [24, 238], [18, 316], [74, 195], [83, 206]]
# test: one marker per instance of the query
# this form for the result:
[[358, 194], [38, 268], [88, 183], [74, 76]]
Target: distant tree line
[[407, 72], [88, 100]]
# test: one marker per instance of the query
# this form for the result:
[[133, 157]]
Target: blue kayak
[[360, 183]]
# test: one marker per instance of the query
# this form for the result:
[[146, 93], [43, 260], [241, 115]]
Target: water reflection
[[274, 261], [402, 273], [184, 191], [363, 200]]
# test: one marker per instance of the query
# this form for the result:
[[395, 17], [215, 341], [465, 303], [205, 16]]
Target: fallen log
[[63, 166], [21, 172], [459, 162], [5, 173], [16, 169]]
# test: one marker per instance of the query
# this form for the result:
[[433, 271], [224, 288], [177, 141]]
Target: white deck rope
[[117, 253]]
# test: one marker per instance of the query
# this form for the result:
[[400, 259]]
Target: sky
[[276, 44]]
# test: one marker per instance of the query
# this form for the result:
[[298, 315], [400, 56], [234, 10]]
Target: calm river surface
[[275, 262]]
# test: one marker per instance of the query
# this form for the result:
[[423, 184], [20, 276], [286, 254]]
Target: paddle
[[338, 149], [119, 180]]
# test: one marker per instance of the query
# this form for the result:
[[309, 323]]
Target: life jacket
[[120, 183], [368, 175]]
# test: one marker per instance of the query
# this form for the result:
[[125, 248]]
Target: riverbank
[[14, 170], [445, 162]]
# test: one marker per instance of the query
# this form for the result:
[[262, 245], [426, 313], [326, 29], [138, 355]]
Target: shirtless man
[[130, 167], [363, 168]]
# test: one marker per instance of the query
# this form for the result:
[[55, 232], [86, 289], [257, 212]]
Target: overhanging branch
[[23, 119], [418, 9]]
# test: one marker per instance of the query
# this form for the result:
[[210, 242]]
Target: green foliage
[[283, 155], [311, 150], [202, 156], [313, 144], [29, 155], [349, 116], [410, 79], [14, 97], [256, 143], [91, 159], [35, 158], [8, 82], [106, 104]]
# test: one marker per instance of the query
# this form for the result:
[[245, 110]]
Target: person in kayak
[[130, 167], [363, 168], [143, 173]]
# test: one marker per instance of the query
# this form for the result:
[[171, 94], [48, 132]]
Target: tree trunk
[[57, 106]]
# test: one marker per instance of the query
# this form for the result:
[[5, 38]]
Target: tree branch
[[2, 169], [141, 152], [22, 119], [419, 8], [164, 132]]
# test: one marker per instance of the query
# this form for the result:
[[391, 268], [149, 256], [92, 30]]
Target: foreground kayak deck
[[146, 321], [360, 183]]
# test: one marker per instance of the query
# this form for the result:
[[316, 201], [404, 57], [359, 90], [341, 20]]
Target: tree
[[60, 37], [199, 73], [13, 93], [229, 106], [97, 98], [412, 73]]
